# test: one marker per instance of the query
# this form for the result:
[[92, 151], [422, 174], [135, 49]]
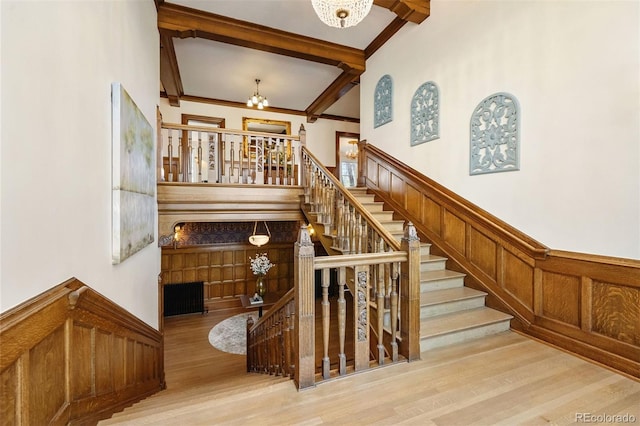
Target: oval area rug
[[230, 335]]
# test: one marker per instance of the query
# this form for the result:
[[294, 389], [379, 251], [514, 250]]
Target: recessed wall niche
[[383, 101], [425, 114], [495, 135]]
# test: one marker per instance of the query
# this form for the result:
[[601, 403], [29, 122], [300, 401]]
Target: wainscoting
[[225, 270], [71, 356], [587, 304]]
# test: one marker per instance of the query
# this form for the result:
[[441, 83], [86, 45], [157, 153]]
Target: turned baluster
[[286, 330], [326, 315], [342, 320], [250, 337], [393, 305], [180, 159], [199, 157], [380, 307], [170, 148], [189, 163], [293, 354]]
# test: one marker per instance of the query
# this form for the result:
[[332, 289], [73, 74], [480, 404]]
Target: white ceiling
[[227, 72]]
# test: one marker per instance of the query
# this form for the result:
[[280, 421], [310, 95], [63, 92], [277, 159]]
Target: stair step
[[373, 206], [393, 225], [439, 302], [440, 280], [429, 262], [382, 215], [425, 248], [460, 326]]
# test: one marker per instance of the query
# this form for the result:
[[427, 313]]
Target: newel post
[[410, 295], [362, 164], [304, 296]]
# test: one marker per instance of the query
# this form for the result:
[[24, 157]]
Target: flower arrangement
[[261, 264]]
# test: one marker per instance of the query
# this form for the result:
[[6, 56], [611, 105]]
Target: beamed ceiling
[[212, 51]]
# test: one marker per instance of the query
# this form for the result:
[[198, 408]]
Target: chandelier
[[257, 99], [341, 13], [352, 152]]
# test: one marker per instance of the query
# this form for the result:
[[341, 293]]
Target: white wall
[[321, 135], [59, 60], [574, 67]]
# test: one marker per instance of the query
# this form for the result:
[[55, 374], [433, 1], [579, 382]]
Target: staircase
[[449, 311]]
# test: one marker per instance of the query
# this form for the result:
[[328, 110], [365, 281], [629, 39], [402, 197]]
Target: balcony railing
[[199, 154]]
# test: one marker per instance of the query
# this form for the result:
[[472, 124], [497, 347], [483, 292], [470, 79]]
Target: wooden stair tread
[[457, 321], [431, 258], [435, 297]]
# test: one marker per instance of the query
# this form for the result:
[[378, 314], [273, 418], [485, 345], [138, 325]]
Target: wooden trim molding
[[70, 355], [586, 304]]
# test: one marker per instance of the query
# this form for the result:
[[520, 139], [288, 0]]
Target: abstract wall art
[[133, 177], [383, 101]]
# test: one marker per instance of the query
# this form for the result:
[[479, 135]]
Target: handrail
[[369, 218], [225, 130], [286, 298], [353, 260], [527, 243]]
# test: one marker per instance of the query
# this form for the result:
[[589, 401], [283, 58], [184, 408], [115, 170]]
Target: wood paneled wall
[[71, 356], [587, 304], [225, 269]]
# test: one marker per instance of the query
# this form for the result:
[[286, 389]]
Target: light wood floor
[[506, 379]]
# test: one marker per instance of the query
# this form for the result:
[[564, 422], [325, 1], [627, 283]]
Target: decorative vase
[[261, 286]]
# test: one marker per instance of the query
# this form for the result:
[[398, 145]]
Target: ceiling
[[213, 50]]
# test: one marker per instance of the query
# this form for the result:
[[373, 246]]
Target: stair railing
[[352, 229], [283, 341], [200, 154]]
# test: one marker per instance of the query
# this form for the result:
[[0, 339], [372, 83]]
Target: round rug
[[230, 335]]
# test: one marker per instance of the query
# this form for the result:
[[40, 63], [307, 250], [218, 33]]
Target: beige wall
[[574, 67], [58, 62]]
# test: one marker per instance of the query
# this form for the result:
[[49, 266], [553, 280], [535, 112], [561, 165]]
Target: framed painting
[[133, 177]]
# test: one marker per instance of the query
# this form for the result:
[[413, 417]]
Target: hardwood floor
[[507, 379]]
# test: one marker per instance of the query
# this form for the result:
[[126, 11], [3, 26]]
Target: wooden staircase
[[449, 311]]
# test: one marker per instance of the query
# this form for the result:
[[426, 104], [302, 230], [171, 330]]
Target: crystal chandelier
[[257, 99], [341, 13]]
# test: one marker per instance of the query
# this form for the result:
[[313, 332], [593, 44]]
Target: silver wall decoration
[[495, 135], [425, 114], [383, 101]]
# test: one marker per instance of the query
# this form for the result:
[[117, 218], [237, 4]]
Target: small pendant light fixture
[[341, 13], [260, 239], [257, 99]]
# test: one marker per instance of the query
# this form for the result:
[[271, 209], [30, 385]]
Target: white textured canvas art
[[133, 177]]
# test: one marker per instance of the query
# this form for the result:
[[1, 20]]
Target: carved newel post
[[304, 296], [410, 295]]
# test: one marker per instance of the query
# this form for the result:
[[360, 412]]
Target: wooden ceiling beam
[[340, 86], [182, 21], [414, 11], [169, 71]]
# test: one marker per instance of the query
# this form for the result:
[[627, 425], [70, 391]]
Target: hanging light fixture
[[342, 13], [260, 239], [257, 99], [352, 152]]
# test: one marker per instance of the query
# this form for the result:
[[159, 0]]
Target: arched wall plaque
[[383, 101], [425, 114], [495, 135]]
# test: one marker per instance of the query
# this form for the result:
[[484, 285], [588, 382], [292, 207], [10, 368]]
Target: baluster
[[242, 178], [180, 159], [326, 315], [393, 305], [293, 353], [211, 173], [342, 319], [170, 148], [380, 306], [287, 161], [189, 163], [269, 163], [357, 234], [286, 368], [231, 166], [199, 157], [250, 336], [363, 237]]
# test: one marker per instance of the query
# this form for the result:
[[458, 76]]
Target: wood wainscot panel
[[82, 359], [372, 171], [46, 378], [413, 198], [517, 278], [561, 298], [384, 180], [454, 232], [483, 253], [616, 312], [104, 362], [119, 362], [9, 385], [398, 190], [432, 215]]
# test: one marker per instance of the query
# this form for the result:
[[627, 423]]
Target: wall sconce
[[176, 230], [259, 239]]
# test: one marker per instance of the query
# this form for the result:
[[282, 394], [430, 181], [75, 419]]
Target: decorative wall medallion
[[362, 306], [425, 114], [382, 101], [495, 135]]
